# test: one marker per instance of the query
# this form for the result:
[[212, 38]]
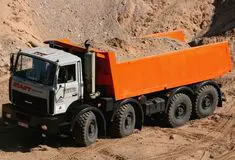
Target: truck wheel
[[179, 110], [124, 121], [86, 129], [206, 101]]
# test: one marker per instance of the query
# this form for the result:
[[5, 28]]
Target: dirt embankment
[[17, 30], [221, 27], [104, 19], [223, 18]]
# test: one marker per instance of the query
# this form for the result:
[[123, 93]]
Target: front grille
[[29, 104]]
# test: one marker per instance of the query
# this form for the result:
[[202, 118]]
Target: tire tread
[[171, 106], [117, 123], [81, 129], [196, 112]]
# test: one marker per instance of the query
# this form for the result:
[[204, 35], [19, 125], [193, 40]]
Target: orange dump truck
[[65, 88]]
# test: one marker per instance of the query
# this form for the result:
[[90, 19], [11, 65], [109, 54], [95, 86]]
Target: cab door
[[68, 85]]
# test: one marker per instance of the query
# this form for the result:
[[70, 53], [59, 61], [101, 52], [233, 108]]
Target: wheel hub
[[207, 102], [180, 111], [92, 129], [128, 121]]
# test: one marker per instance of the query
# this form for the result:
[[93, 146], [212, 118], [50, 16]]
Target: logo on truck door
[[70, 90]]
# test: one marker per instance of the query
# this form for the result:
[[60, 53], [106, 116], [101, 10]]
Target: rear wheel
[[206, 101], [179, 110], [124, 121], [86, 129]]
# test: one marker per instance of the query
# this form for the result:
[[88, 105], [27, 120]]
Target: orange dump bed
[[160, 72]]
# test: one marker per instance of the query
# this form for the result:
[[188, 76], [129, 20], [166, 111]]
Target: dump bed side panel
[[165, 71]]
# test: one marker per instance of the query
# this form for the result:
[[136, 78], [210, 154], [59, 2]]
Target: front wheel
[[86, 129], [179, 110]]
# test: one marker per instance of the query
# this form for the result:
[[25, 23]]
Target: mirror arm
[[12, 58], [64, 89]]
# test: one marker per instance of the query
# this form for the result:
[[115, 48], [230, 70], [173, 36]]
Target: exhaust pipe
[[90, 72]]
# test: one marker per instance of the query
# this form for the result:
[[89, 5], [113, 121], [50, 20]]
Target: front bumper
[[48, 125]]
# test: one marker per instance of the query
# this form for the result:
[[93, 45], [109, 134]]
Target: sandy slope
[[101, 19], [23, 21], [17, 30]]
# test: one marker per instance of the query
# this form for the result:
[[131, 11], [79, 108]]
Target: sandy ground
[[25, 23]]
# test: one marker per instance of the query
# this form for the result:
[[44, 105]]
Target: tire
[[86, 129], [206, 101], [179, 110], [124, 122]]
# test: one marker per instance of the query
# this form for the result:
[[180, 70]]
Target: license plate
[[23, 124]]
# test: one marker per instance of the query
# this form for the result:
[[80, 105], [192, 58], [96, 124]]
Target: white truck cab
[[47, 93], [46, 80]]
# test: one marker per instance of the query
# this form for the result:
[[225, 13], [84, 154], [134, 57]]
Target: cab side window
[[67, 74]]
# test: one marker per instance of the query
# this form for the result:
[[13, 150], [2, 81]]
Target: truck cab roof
[[51, 54]]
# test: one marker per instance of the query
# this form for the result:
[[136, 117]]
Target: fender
[[217, 87], [83, 108], [184, 89], [138, 111]]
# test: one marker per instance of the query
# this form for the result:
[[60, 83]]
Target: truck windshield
[[35, 69]]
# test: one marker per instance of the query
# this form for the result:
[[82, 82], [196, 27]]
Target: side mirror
[[12, 62], [63, 75]]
